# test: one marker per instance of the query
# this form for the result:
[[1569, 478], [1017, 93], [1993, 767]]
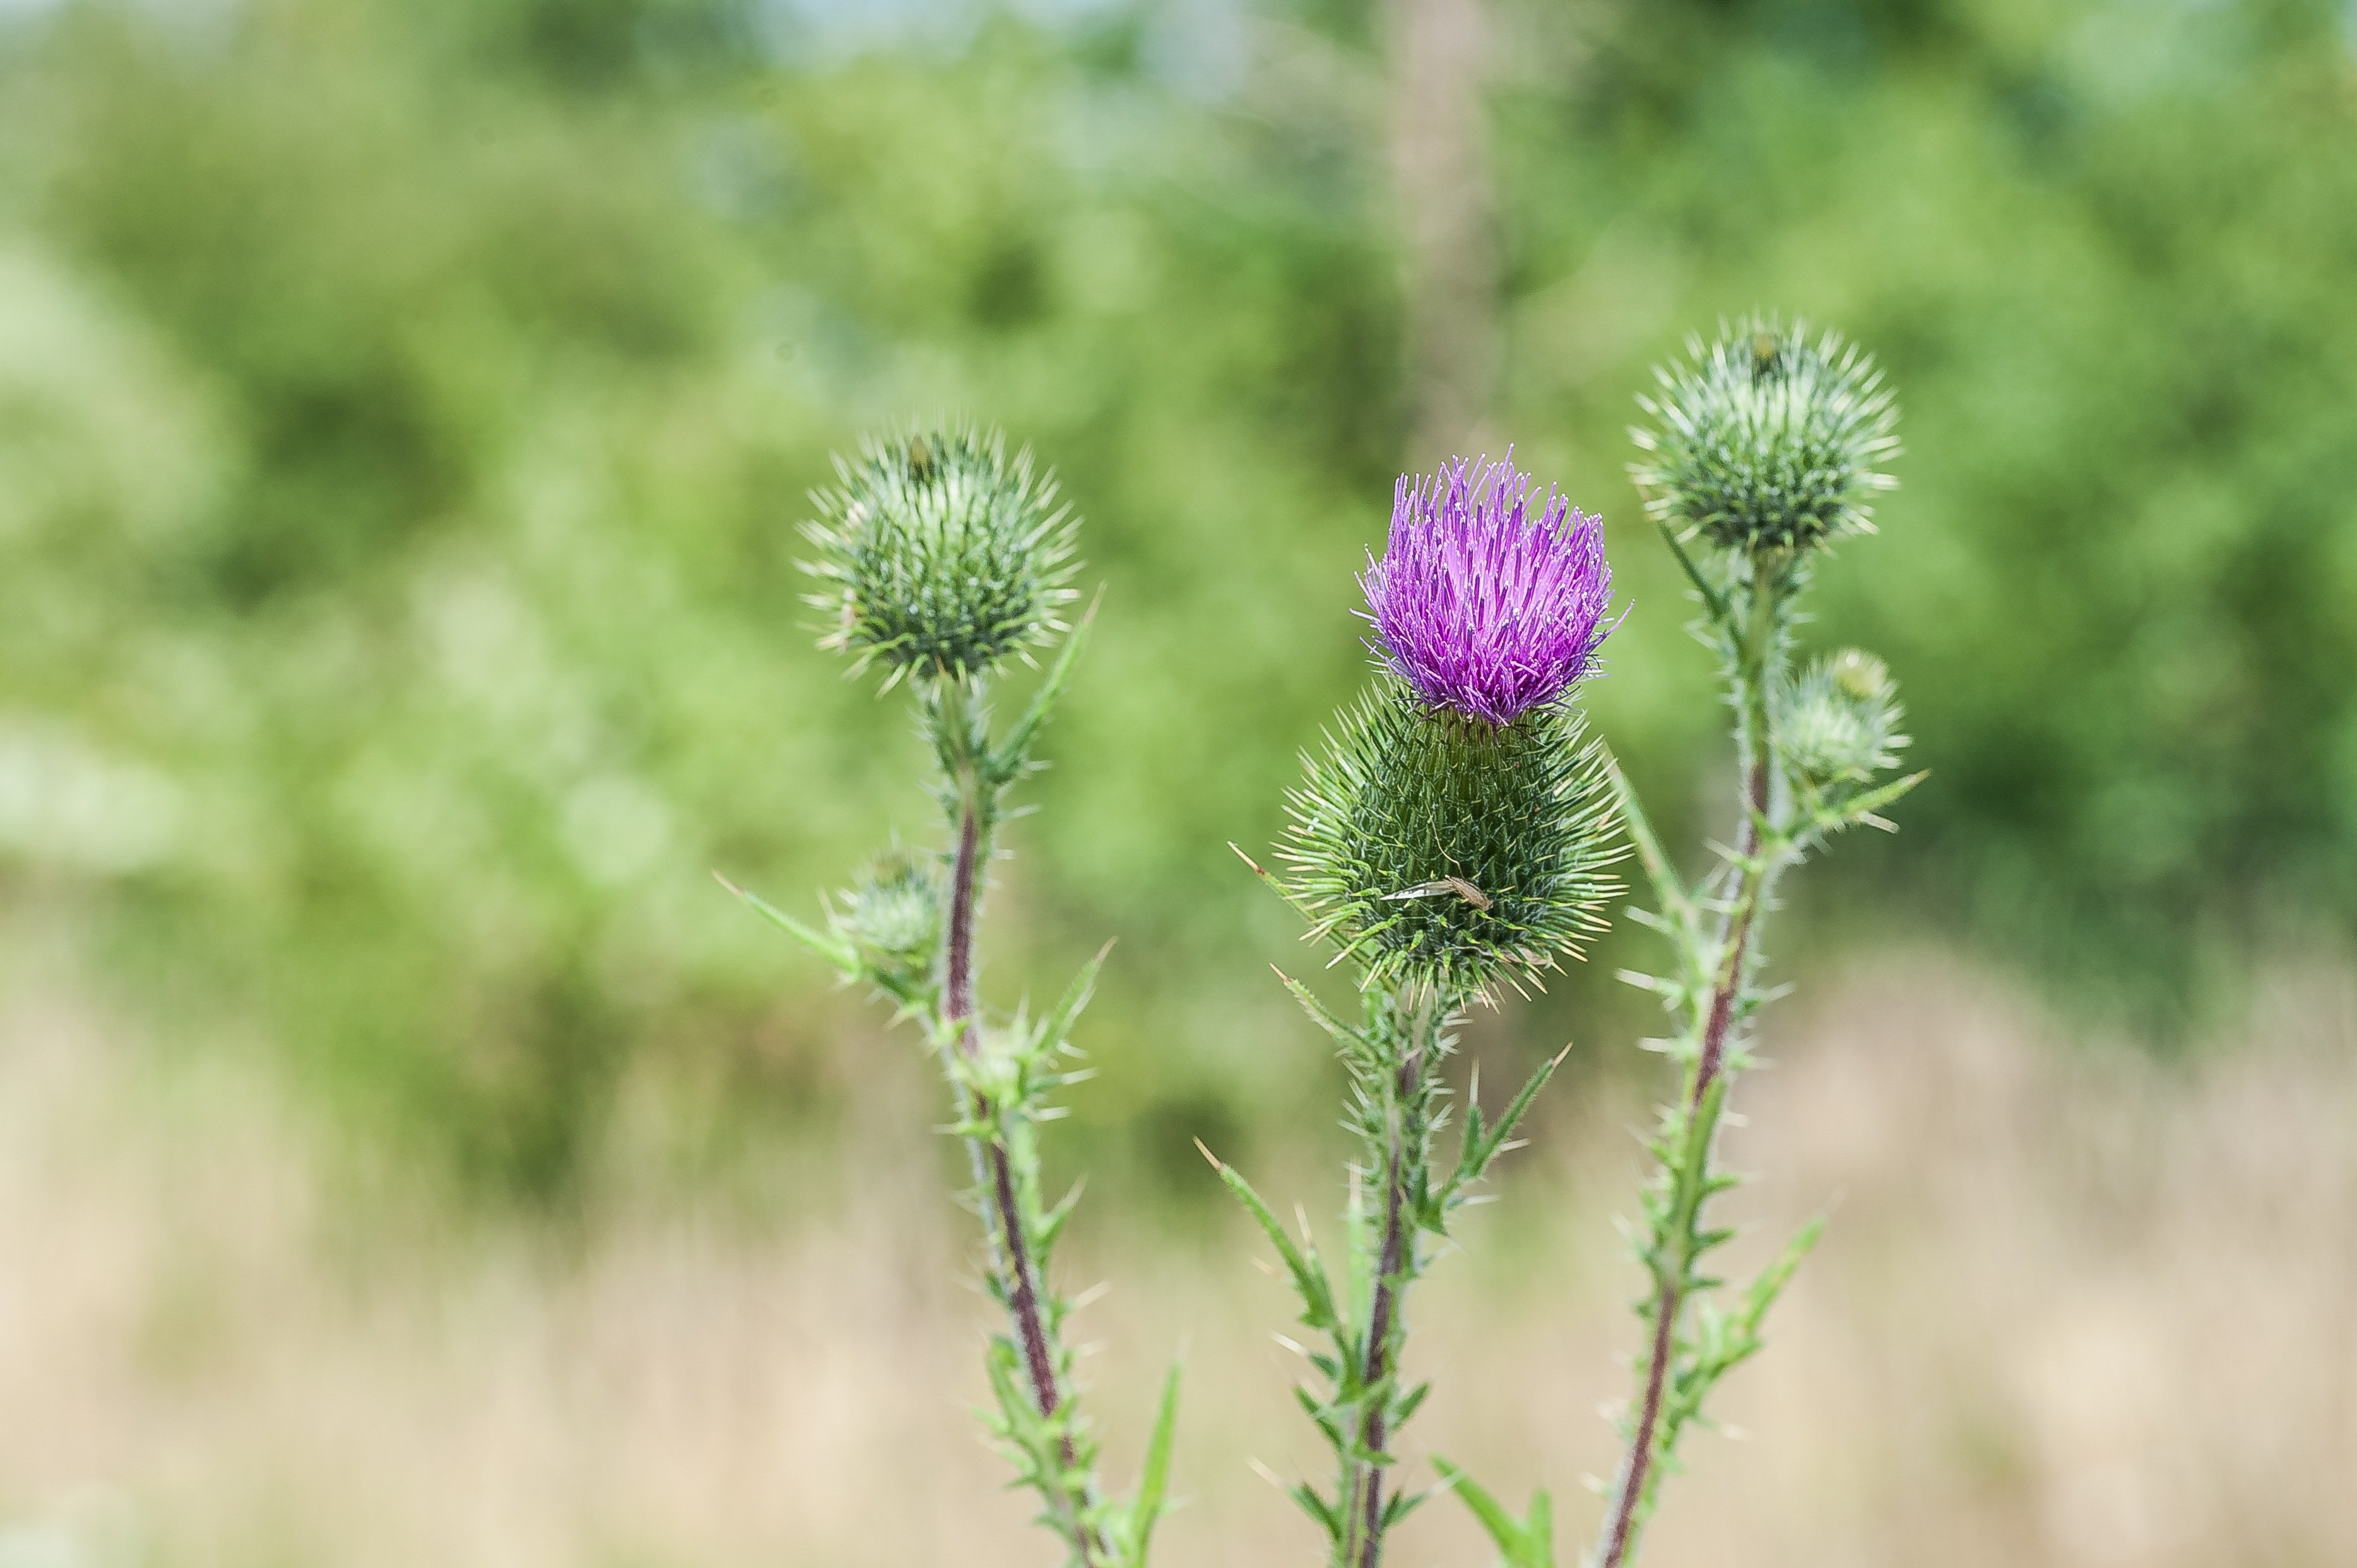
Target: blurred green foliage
[[406, 408]]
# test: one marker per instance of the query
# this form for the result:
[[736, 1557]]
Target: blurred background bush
[[407, 410]]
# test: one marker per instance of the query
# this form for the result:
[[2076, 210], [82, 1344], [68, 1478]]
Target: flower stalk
[[1010, 1244], [1451, 838], [1673, 1267], [1764, 453], [942, 559]]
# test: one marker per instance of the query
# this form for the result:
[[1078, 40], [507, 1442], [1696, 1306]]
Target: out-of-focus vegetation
[[406, 408]]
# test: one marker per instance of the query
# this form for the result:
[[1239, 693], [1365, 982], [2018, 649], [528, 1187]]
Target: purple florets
[[1483, 607]]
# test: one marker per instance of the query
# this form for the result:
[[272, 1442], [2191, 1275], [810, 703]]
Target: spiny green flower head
[[940, 557], [892, 914], [1434, 845], [1840, 724], [1765, 440]]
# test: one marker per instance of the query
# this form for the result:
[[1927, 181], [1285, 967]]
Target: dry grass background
[[2077, 1307]]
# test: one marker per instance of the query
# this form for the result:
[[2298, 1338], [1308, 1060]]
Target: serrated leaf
[[1519, 1544], [1779, 1273], [1317, 1507], [1057, 1027], [1010, 761], [836, 950], [1669, 889], [1309, 1280], [1153, 1476], [1320, 1013], [1476, 1162]]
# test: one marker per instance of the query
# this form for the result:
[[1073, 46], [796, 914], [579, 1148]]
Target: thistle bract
[[1840, 725], [1765, 440], [939, 555], [1438, 846], [1488, 599]]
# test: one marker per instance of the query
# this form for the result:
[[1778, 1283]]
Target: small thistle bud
[[1766, 441], [938, 555], [893, 916], [1841, 721], [1434, 845], [1487, 600]]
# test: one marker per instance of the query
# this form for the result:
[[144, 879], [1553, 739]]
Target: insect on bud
[[940, 557], [1765, 440], [1438, 846]]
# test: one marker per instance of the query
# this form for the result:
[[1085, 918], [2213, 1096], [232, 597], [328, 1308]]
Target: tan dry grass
[[2077, 1308]]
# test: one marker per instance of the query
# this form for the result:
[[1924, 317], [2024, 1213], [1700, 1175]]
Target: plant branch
[[1677, 1242], [1069, 1488]]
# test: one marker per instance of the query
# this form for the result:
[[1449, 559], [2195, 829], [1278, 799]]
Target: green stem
[[1405, 1165], [1674, 1251], [1010, 1246]]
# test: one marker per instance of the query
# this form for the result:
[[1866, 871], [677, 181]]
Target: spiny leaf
[[1320, 1013], [1008, 762], [1153, 1481], [1317, 1507], [1520, 1544], [1057, 1027], [1309, 1280], [827, 945], [1669, 888], [1713, 600], [1779, 1273], [1478, 1158]]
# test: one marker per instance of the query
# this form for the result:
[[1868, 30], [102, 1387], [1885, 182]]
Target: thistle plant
[[940, 560], [1761, 454], [1451, 837]]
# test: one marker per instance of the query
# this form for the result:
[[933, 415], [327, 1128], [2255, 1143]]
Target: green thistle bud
[[893, 916], [1436, 847], [1840, 724], [1767, 441], [939, 555]]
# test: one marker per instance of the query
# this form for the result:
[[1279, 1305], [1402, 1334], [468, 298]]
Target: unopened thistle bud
[[1767, 441], [893, 916], [940, 557], [1454, 828], [1840, 724]]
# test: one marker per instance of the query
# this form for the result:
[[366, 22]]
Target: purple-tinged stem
[[1668, 1292], [1009, 1243], [1628, 1499]]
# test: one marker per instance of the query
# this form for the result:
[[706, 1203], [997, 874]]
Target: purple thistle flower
[[1482, 607]]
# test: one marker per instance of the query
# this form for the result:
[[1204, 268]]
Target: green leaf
[[1153, 1481], [1309, 1281], [1057, 1027], [1669, 888], [1320, 1013], [1862, 808], [1520, 1544], [826, 944], [1317, 1507], [1713, 600], [1778, 1274], [1010, 761], [1479, 1154]]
